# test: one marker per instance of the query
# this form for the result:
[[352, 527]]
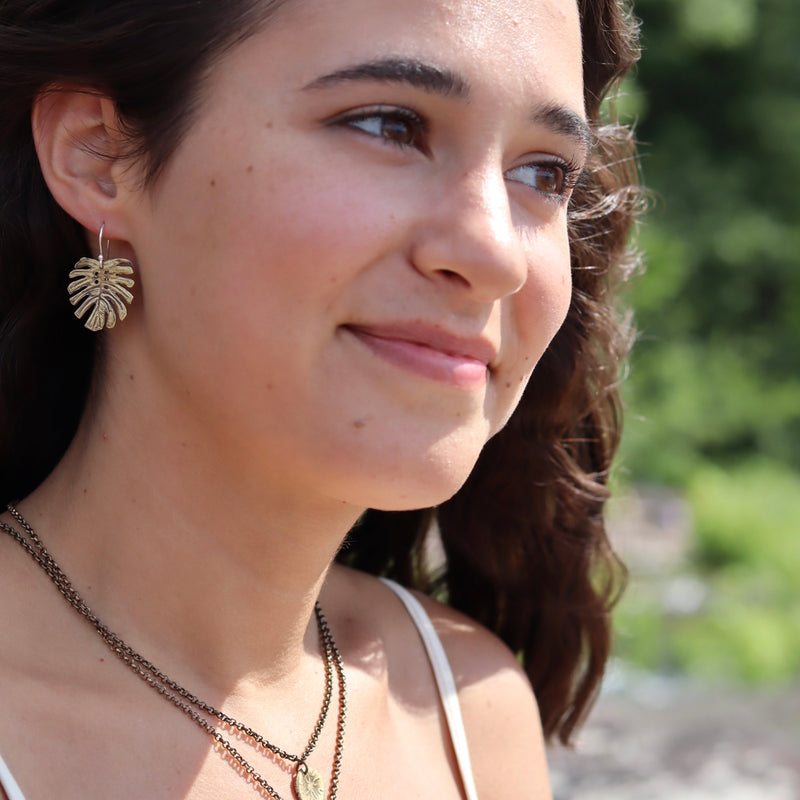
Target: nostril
[[453, 276]]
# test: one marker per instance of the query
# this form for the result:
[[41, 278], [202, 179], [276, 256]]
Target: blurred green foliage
[[713, 396], [746, 562], [748, 516]]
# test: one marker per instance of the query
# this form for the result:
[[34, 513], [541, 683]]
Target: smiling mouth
[[430, 354]]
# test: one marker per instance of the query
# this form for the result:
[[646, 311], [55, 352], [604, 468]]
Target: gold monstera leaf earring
[[102, 286]]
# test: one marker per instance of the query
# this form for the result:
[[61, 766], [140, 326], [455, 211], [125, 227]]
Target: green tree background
[[713, 396]]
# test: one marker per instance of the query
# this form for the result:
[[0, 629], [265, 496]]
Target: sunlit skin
[[296, 215], [344, 278]]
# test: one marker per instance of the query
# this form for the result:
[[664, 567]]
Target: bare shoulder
[[500, 713], [497, 702]]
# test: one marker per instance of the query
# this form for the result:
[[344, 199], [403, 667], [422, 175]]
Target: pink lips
[[430, 352]]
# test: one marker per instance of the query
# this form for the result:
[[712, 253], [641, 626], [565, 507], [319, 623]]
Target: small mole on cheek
[[85, 490], [508, 384], [212, 182], [269, 124], [130, 377], [249, 167], [269, 387], [359, 423]]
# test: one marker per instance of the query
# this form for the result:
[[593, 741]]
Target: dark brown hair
[[524, 539], [526, 551]]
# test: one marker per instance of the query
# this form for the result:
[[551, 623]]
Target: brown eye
[[397, 126], [549, 179], [398, 130]]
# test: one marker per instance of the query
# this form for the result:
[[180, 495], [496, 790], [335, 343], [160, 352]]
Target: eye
[[551, 178], [398, 126]]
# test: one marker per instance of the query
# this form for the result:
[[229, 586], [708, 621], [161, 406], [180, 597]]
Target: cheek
[[542, 304], [274, 245], [306, 233], [536, 313]]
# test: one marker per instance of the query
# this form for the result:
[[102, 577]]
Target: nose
[[467, 237]]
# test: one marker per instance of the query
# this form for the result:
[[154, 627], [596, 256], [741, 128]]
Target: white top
[[444, 681], [8, 783]]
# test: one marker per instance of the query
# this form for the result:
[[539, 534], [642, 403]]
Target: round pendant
[[308, 784]]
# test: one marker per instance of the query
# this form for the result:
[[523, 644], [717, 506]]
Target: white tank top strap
[[443, 674], [7, 782]]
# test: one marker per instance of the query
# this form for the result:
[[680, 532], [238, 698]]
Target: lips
[[429, 351]]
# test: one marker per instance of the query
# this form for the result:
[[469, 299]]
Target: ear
[[77, 139]]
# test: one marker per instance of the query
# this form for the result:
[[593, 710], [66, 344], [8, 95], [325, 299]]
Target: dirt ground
[[679, 742]]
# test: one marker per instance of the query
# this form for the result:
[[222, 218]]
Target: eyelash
[[414, 124], [567, 172]]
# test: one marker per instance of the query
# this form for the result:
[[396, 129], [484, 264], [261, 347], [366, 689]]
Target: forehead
[[508, 45]]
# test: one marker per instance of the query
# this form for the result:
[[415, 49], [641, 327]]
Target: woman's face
[[358, 253]]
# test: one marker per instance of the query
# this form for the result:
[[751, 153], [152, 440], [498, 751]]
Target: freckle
[[86, 491], [130, 377], [269, 387], [269, 124], [250, 168], [508, 384], [213, 182], [359, 423]]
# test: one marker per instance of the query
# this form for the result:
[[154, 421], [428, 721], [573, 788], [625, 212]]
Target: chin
[[422, 486]]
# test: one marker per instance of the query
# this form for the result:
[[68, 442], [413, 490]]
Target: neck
[[185, 556]]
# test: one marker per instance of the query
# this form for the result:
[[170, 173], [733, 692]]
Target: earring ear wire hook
[[101, 256]]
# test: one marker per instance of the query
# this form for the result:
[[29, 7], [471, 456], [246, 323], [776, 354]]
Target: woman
[[350, 230]]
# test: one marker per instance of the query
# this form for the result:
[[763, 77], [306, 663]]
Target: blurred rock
[[683, 596], [694, 743], [651, 527]]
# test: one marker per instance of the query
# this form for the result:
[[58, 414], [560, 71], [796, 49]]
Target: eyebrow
[[398, 70], [439, 80], [566, 122]]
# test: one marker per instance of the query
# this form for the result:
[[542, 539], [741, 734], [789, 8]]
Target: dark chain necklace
[[307, 782]]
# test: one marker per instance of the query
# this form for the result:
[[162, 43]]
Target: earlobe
[[78, 142]]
